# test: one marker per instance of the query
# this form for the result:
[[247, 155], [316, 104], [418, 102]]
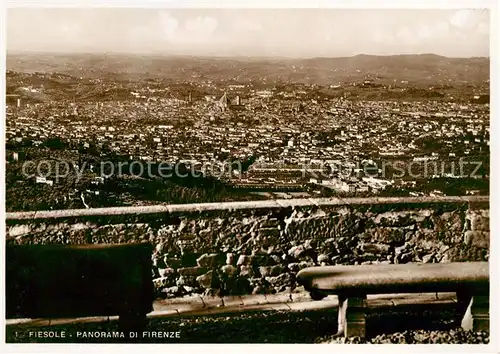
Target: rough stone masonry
[[258, 247]]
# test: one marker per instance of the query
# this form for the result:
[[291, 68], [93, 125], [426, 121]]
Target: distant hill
[[424, 69]]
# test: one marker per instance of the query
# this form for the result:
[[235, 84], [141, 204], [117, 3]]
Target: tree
[[55, 143]]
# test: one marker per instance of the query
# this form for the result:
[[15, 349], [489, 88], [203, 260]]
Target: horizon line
[[282, 57]]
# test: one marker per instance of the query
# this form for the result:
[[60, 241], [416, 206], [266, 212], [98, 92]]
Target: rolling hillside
[[425, 69]]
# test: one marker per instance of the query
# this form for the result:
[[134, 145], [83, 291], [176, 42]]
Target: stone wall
[[258, 247]]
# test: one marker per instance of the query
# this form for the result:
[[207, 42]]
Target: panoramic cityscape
[[258, 140], [248, 151]]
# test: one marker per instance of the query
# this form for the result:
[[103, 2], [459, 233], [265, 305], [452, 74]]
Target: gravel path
[[281, 327], [453, 336]]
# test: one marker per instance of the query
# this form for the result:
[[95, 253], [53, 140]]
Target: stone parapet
[[258, 247]]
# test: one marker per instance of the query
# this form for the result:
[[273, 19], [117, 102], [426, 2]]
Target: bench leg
[[463, 301], [477, 316], [341, 315], [351, 320]]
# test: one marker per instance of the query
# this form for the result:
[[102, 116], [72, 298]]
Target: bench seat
[[67, 281], [469, 280], [396, 278]]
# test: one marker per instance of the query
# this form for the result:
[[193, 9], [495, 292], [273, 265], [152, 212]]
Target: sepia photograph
[[247, 175]]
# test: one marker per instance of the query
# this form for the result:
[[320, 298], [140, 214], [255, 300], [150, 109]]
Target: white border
[[366, 4], [493, 347]]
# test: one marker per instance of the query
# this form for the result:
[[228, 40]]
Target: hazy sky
[[266, 32]]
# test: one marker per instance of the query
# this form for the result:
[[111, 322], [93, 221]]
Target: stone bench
[[469, 280], [70, 281]]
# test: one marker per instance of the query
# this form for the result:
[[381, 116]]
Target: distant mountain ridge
[[417, 69]]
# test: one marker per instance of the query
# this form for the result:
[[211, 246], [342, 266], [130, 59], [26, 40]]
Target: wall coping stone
[[233, 206]]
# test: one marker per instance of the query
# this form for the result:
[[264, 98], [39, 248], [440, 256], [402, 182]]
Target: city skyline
[[250, 32]]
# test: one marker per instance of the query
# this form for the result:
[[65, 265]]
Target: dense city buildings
[[258, 139]]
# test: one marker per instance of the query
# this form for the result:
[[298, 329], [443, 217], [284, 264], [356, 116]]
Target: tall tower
[[223, 102]]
